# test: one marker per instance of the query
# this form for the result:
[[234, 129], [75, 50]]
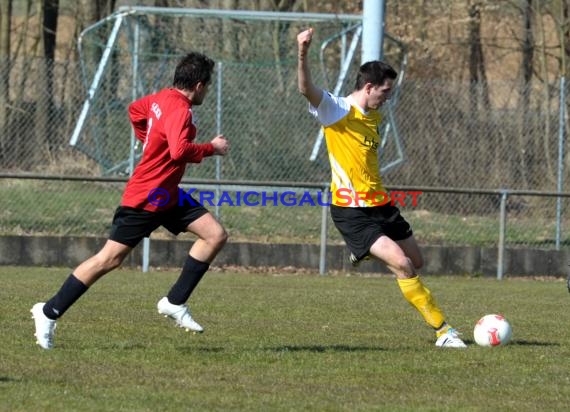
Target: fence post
[[145, 264], [146, 254], [219, 95], [561, 122], [324, 216], [502, 230]]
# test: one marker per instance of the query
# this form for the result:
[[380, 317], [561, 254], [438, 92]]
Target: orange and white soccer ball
[[492, 330]]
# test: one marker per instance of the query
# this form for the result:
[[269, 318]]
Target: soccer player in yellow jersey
[[368, 226]]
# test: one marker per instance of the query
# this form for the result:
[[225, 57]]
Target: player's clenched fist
[[221, 145], [304, 39]]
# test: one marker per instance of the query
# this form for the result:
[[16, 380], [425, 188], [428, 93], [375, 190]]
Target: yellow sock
[[420, 297]]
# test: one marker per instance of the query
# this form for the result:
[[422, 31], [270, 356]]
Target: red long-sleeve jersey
[[163, 122]]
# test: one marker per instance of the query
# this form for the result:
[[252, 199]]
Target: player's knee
[[114, 262], [110, 262], [219, 238], [403, 264]]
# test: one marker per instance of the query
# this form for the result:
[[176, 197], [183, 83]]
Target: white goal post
[[126, 33]]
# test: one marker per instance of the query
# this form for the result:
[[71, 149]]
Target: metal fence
[[484, 140], [290, 212]]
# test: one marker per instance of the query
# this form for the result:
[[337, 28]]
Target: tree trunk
[[5, 18], [478, 94], [477, 73], [550, 176], [532, 146], [422, 11], [89, 14], [231, 49], [44, 114], [565, 53], [18, 112], [279, 31], [49, 30], [474, 27], [51, 13], [565, 35]]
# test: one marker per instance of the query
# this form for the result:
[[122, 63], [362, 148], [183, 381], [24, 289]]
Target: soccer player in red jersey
[[163, 122]]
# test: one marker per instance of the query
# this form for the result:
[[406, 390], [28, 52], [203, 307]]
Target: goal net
[[253, 99]]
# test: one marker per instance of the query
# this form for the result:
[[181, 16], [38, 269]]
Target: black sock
[[192, 272], [70, 291]]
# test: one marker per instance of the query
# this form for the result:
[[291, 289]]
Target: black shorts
[[362, 226], [131, 225]]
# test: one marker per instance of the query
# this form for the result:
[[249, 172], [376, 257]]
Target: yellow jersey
[[352, 136]]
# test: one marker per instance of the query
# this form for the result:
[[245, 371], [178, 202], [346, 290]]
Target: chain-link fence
[[454, 134]]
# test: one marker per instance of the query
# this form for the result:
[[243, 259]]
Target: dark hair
[[375, 72], [193, 68]]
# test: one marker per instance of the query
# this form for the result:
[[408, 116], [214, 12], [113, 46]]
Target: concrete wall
[[70, 251]]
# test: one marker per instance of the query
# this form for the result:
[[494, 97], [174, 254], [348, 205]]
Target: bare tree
[[279, 31], [477, 72], [478, 91], [45, 108], [89, 12], [231, 44], [543, 76], [5, 18], [564, 29], [527, 52], [530, 145]]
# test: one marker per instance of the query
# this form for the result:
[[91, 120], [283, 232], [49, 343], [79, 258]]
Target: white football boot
[[180, 313], [450, 339], [45, 327]]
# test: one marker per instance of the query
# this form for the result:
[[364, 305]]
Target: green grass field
[[282, 341]]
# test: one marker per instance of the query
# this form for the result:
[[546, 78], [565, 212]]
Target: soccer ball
[[492, 330]]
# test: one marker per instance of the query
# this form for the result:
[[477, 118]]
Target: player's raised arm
[[306, 86]]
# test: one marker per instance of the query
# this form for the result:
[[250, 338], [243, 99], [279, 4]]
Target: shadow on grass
[[325, 348], [191, 349], [292, 348], [532, 343], [518, 343], [4, 379], [127, 346]]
